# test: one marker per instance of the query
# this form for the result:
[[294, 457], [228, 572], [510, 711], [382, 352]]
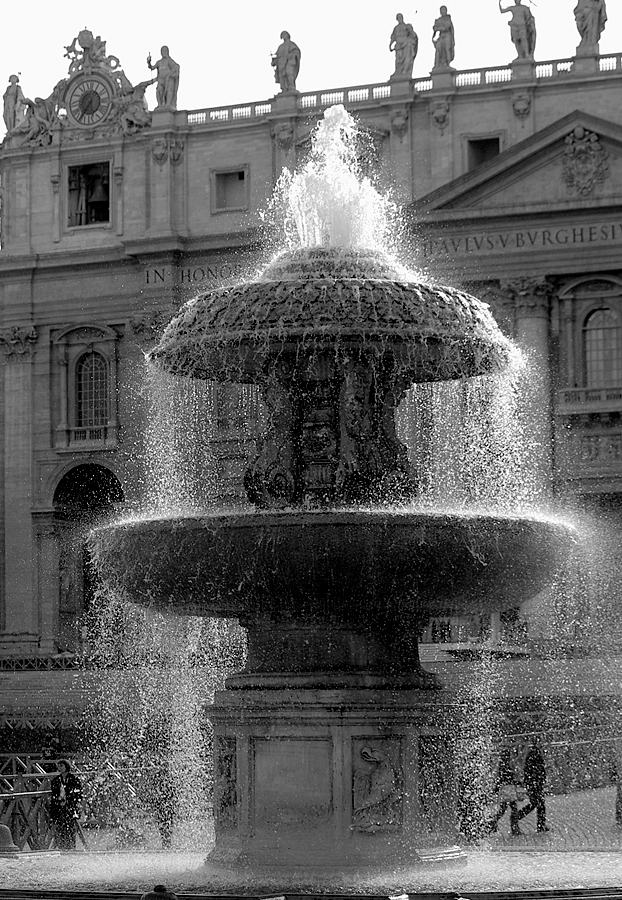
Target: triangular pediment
[[574, 162]]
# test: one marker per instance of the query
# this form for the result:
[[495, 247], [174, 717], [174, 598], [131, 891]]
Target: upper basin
[[344, 298], [344, 566]]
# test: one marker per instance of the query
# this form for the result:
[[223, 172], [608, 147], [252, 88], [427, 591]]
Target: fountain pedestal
[[331, 778]]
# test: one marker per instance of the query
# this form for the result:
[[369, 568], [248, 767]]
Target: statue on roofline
[[405, 43], [443, 40], [14, 104], [591, 17], [167, 80], [522, 29], [286, 62]]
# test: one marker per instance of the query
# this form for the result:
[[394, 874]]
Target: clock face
[[88, 101]]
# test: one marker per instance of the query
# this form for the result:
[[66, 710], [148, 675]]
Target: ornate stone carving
[[439, 110], [531, 296], [90, 54], [377, 789], [399, 121], [159, 151], [521, 104], [283, 133], [18, 342], [176, 151], [584, 162], [167, 79]]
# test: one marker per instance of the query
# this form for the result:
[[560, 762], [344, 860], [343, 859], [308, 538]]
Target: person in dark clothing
[[534, 779], [159, 892], [65, 806], [506, 789]]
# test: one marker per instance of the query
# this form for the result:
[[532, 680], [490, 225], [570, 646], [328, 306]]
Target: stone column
[[21, 618], [532, 301]]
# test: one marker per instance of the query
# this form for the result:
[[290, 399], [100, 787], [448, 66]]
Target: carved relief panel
[[377, 785]]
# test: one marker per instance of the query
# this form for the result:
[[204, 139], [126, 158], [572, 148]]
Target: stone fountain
[[327, 745]]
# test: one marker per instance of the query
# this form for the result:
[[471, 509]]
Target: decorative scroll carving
[[176, 150], [225, 783], [377, 786], [584, 162], [159, 151], [167, 148], [17, 343]]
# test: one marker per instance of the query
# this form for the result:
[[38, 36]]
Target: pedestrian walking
[[506, 792], [534, 779], [65, 806]]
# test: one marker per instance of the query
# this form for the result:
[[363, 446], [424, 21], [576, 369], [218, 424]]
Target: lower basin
[[339, 566]]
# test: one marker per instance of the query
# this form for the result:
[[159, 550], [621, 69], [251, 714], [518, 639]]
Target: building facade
[[510, 182]]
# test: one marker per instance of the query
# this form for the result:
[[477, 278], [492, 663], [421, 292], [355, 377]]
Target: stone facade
[[509, 178]]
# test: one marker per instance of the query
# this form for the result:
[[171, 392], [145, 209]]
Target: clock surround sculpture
[[327, 746]]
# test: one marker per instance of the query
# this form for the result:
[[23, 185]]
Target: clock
[[88, 100]]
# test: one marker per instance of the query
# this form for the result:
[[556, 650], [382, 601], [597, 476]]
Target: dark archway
[[85, 495]]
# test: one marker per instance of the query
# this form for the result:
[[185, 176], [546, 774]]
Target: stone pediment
[[575, 162]]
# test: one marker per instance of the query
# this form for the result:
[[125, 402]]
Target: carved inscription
[[569, 236], [191, 275]]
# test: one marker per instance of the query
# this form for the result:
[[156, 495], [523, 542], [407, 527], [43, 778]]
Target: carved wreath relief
[[585, 162], [377, 786]]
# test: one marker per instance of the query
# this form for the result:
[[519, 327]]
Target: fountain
[[327, 746]]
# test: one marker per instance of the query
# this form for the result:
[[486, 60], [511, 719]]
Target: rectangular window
[[88, 201], [481, 151], [230, 190]]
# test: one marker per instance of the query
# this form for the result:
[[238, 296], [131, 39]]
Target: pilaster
[[17, 350], [532, 298], [47, 559]]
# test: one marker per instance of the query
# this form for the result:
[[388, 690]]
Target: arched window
[[91, 391], [602, 351]]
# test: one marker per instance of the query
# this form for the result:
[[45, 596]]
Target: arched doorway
[[85, 495]]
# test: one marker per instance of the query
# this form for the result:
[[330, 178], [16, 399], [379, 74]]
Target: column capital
[[17, 343], [531, 296]]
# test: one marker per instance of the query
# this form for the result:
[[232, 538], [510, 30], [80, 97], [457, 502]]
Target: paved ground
[[581, 821]]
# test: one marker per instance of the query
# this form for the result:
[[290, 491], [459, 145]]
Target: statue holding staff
[[522, 29], [286, 62], [443, 40], [168, 79], [405, 43]]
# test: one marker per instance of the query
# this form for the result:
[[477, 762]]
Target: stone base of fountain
[[320, 778]]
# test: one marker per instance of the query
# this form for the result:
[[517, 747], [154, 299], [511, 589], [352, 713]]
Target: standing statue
[[286, 62], [405, 43], [14, 104], [168, 79], [522, 29], [443, 40], [590, 16]]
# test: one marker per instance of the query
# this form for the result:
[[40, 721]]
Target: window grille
[[602, 349], [91, 391]]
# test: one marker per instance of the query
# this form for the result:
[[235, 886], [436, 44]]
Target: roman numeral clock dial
[[88, 101]]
